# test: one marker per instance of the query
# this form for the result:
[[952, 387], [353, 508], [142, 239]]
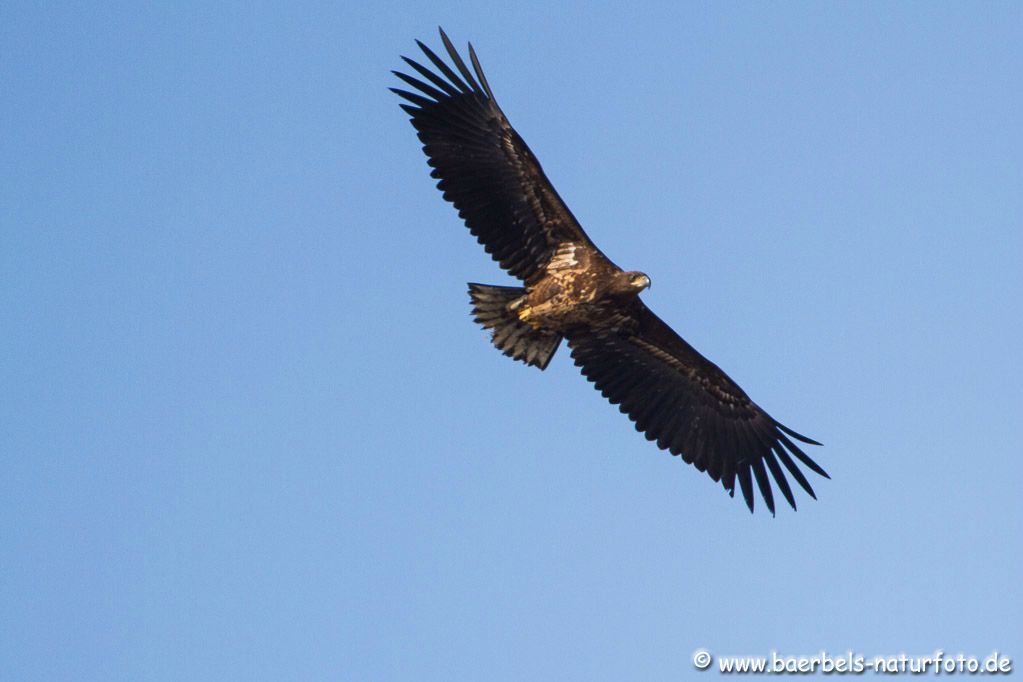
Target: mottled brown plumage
[[571, 290]]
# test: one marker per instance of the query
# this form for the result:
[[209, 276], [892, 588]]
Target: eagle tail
[[514, 338]]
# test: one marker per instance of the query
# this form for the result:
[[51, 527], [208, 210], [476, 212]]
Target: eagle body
[[579, 287], [571, 291]]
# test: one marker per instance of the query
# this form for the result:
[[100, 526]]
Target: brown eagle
[[572, 290]]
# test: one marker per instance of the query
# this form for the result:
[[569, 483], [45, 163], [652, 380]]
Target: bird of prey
[[572, 291]]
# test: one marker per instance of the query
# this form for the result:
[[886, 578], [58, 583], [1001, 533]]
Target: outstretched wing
[[484, 167], [689, 406]]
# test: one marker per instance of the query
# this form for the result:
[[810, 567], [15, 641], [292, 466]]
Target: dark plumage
[[571, 290]]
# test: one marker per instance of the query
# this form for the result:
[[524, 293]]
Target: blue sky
[[249, 431]]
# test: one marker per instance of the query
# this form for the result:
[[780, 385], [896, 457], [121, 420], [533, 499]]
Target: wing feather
[[483, 166], [457, 59], [425, 88], [763, 484], [689, 406], [779, 478], [479, 72], [431, 76], [794, 470], [747, 486]]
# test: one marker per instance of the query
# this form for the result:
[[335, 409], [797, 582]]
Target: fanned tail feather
[[514, 338]]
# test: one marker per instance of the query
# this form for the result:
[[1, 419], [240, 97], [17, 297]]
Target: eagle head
[[639, 281], [632, 282]]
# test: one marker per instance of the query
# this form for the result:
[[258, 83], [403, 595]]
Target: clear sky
[[249, 431]]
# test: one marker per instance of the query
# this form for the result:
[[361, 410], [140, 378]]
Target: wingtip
[[798, 436]]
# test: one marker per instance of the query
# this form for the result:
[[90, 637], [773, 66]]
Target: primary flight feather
[[572, 291]]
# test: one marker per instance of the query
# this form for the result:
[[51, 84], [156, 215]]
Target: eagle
[[572, 291]]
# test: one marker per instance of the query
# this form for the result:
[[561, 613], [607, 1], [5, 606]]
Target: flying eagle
[[572, 291]]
